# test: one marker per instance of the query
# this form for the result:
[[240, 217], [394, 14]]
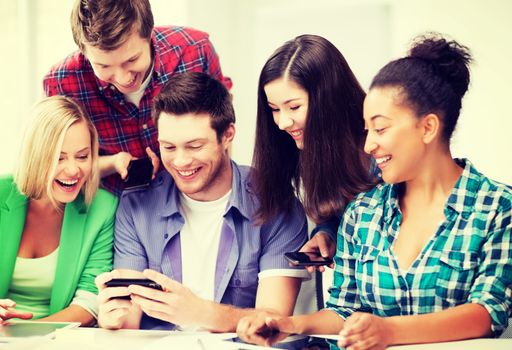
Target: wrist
[[208, 315], [107, 165], [391, 331]]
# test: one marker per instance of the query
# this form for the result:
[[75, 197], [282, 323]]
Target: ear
[[228, 136], [431, 127]]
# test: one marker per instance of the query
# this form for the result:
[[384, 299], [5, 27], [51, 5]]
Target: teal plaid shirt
[[468, 260]]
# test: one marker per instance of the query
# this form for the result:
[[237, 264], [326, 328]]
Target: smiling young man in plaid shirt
[[122, 64]]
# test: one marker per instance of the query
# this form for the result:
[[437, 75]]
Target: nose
[[181, 159], [72, 168], [369, 145], [284, 121], [122, 76]]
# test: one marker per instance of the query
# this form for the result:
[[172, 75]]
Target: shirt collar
[[158, 67], [461, 199], [239, 199], [464, 194], [241, 192]]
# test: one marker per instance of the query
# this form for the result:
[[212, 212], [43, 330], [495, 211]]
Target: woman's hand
[[7, 311], [321, 243], [365, 331], [264, 328]]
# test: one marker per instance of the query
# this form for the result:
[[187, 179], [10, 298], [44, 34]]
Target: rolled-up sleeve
[[492, 287], [287, 233]]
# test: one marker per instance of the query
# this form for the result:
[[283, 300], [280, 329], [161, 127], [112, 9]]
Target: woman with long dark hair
[[310, 136]]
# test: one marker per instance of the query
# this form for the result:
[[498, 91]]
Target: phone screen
[[307, 259], [139, 173]]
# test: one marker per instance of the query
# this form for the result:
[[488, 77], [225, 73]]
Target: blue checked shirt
[[147, 235], [468, 260]]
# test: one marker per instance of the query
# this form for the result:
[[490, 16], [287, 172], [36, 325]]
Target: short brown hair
[[196, 92], [40, 150], [106, 24]]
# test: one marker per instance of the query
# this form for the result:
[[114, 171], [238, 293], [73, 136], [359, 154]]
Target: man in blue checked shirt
[[192, 230], [427, 256]]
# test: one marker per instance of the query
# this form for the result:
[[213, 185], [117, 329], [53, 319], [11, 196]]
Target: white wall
[[245, 32]]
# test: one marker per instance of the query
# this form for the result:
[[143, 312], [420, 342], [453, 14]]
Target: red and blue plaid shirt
[[121, 125]]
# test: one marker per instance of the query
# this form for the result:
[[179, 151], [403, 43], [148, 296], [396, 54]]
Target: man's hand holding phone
[[120, 163], [141, 171], [177, 304], [116, 309]]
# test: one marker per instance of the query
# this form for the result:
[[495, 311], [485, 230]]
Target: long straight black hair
[[332, 165]]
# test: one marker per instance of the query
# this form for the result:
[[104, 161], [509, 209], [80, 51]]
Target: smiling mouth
[[187, 173], [382, 161], [131, 83], [296, 134], [67, 185]]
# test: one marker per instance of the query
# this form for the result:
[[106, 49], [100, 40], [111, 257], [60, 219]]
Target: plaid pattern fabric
[[121, 125], [468, 260]]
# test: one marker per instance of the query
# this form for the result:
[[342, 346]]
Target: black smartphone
[[139, 173], [125, 282], [307, 259]]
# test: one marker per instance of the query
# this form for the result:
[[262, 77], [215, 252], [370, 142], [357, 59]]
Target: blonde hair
[[42, 143]]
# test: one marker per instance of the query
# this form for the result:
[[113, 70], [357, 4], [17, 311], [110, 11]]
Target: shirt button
[[166, 236], [144, 126], [237, 282], [112, 87], [121, 102]]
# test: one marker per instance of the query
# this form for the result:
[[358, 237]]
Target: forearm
[[224, 318], [73, 313], [461, 322], [107, 165], [321, 322]]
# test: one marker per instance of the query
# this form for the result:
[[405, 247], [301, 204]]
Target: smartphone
[[307, 259], [125, 282], [140, 172]]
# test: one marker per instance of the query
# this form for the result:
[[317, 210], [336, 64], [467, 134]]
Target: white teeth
[[296, 133], [382, 159], [68, 182], [188, 172]]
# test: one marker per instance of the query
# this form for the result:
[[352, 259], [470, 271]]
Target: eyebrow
[[129, 59], [378, 116], [191, 141], [83, 149], [287, 101]]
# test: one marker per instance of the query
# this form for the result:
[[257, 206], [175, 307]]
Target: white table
[[101, 339]]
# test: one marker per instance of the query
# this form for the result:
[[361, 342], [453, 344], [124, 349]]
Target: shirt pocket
[[243, 286], [456, 274], [244, 277], [367, 271]]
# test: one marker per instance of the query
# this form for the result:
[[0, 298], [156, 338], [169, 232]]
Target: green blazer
[[85, 248]]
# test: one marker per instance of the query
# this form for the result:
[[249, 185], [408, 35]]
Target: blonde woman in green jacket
[[56, 227]]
